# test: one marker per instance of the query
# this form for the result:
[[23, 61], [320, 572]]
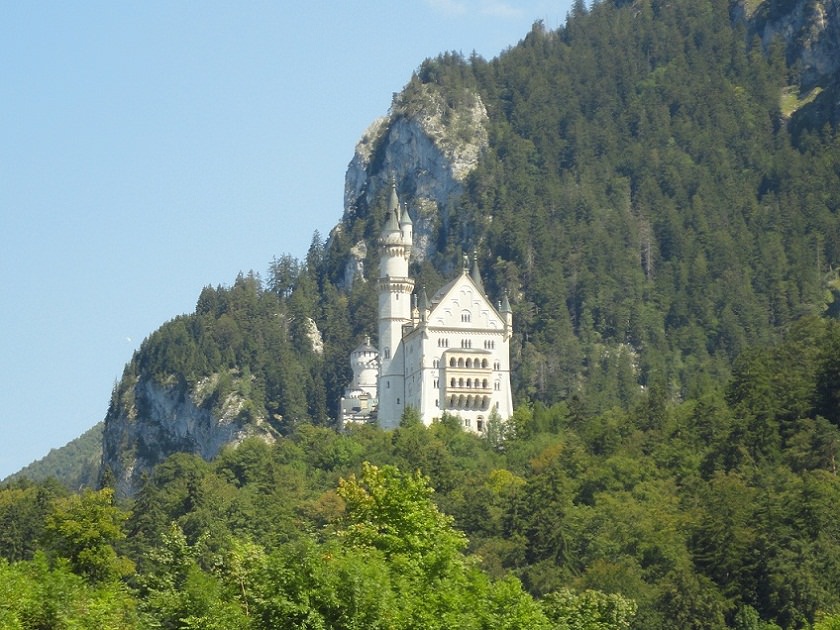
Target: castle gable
[[461, 304]]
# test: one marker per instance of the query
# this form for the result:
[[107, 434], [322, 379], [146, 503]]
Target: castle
[[450, 353]]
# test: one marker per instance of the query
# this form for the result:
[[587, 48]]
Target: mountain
[[655, 185], [75, 465]]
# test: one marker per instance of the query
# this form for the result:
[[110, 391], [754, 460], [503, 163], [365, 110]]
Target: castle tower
[[395, 288]]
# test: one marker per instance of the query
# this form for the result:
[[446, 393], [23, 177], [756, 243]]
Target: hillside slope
[[628, 179]]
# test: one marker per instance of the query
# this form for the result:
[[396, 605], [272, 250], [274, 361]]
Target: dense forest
[[662, 206], [714, 512]]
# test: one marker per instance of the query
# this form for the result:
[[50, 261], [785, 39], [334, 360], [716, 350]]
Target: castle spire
[[475, 274]]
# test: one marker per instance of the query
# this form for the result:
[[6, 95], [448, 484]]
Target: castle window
[[469, 363], [469, 382], [437, 402], [460, 382], [497, 366], [398, 401], [480, 425], [437, 383], [436, 363], [387, 352], [460, 362], [484, 384], [452, 382], [484, 363], [497, 386], [466, 316]]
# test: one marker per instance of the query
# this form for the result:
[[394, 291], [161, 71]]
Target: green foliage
[[83, 529], [392, 511], [589, 610], [35, 595], [76, 464]]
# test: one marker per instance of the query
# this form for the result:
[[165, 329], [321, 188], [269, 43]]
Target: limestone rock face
[[150, 421], [428, 147], [810, 30]]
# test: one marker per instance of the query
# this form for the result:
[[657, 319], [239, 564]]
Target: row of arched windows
[[469, 402], [469, 362], [468, 383]]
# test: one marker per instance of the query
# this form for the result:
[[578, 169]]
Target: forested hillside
[[643, 198], [717, 512]]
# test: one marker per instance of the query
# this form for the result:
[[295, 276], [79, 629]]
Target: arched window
[[484, 363], [469, 363], [452, 362], [460, 382], [469, 382], [460, 362], [466, 316], [484, 384], [452, 382]]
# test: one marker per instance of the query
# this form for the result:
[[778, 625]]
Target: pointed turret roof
[[392, 221], [475, 274], [393, 201], [423, 303], [405, 219], [505, 307]]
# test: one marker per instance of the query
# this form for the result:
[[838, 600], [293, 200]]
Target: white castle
[[448, 354]]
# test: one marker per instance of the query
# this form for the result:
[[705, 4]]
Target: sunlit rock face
[[809, 31], [151, 421], [428, 148]]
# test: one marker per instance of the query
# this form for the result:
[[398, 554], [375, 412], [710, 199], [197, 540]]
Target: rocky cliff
[[148, 421], [809, 31], [428, 143]]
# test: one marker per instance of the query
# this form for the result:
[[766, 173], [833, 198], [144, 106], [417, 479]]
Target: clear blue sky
[[148, 149]]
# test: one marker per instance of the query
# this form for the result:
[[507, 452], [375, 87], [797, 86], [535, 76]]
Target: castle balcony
[[467, 384]]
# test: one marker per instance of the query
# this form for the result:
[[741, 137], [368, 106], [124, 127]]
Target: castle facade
[[450, 353]]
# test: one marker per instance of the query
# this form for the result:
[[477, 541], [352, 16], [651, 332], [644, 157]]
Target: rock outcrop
[[810, 32], [148, 421], [426, 144]]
